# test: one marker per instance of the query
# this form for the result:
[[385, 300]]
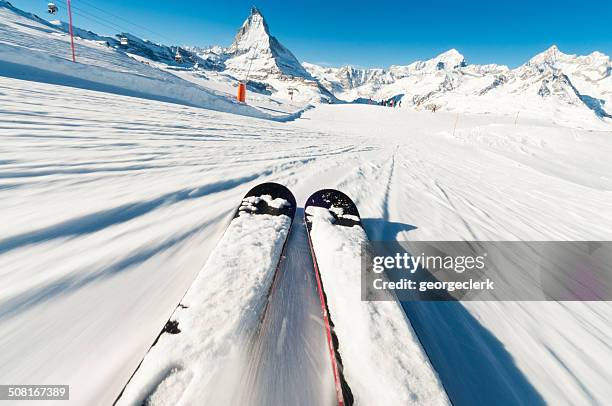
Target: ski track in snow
[[110, 205]]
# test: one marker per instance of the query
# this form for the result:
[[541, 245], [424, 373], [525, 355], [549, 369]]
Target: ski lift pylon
[[291, 91], [51, 8]]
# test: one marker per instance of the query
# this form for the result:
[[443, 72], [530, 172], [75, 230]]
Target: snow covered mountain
[[260, 59], [350, 82], [551, 83], [275, 72], [136, 46], [568, 89], [591, 74], [35, 49], [256, 53]]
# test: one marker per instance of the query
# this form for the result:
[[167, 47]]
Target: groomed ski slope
[[111, 205]]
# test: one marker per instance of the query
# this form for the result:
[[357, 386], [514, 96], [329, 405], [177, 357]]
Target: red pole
[[241, 92], [71, 34]]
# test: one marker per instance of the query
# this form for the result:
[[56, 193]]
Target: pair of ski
[[263, 222], [343, 212]]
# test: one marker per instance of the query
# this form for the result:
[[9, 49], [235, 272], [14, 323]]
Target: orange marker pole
[[241, 92]]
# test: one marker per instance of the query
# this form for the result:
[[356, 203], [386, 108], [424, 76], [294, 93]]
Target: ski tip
[[328, 198], [275, 191], [339, 206]]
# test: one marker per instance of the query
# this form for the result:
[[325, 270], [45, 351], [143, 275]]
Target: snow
[[33, 49], [145, 206], [580, 94], [383, 362], [255, 54], [113, 196], [535, 181], [290, 360], [322, 214], [249, 203], [259, 54], [218, 317], [144, 188]]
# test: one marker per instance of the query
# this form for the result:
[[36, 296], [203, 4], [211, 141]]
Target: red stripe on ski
[[330, 344]]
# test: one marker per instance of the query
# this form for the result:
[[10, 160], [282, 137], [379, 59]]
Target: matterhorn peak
[[253, 32], [258, 54]]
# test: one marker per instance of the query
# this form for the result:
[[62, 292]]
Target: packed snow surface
[[116, 186], [383, 362], [109, 214]]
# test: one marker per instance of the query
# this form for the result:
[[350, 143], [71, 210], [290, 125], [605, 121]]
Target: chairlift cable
[[127, 21], [90, 17], [104, 22], [251, 64]]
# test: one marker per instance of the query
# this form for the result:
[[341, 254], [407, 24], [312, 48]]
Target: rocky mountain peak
[[549, 56], [255, 52]]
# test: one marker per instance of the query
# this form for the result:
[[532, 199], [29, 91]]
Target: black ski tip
[[331, 197], [275, 190], [328, 198]]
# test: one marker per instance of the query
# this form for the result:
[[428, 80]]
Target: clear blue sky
[[366, 33]]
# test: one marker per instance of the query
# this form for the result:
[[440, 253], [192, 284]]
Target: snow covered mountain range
[[549, 81], [550, 85]]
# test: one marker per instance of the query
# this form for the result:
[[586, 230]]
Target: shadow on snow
[[473, 365]]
